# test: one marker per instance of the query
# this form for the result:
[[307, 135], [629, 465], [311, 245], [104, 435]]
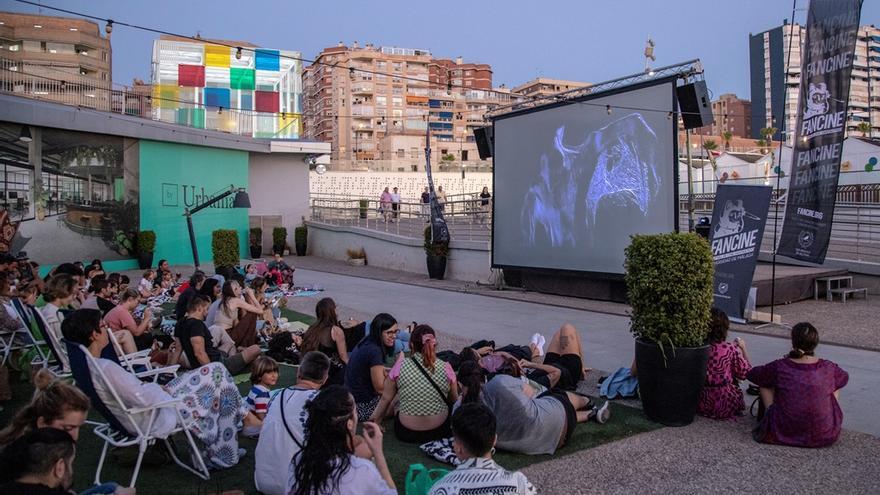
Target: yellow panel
[[166, 96], [217, 56], [289, 125]]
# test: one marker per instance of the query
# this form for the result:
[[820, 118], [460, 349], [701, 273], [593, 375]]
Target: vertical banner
[[738, 221], [832, 27]]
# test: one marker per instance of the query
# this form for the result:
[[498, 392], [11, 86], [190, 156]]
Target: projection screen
[[572, 182]]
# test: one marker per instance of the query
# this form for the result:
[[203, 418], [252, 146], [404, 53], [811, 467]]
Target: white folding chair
[[114, 433], [138, 362]]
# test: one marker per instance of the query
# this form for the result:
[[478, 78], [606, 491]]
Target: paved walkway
[[608, 342]]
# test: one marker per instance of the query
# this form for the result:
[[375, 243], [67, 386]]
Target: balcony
[[362, 88]]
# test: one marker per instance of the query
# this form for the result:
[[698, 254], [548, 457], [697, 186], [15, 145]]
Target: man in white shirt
[[283, 430], [395, 203]]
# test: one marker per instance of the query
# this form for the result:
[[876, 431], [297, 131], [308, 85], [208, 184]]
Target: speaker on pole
[[695, 106], [485, 138]]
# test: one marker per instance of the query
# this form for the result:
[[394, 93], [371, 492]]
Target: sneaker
[[603, 414], [539, 342]]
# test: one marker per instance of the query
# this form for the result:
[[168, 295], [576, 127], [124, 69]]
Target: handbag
[[420, 479]]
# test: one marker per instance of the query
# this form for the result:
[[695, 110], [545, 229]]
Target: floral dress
[[721, 397], [212, 400]]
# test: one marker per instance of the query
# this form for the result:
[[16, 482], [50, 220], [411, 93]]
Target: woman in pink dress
[[721, 397], [800, 393], [385, 205]]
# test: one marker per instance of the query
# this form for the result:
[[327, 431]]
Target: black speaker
[[693, 101], [485, 137]]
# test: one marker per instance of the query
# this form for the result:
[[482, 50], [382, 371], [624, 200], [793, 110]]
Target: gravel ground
[[712, 457]]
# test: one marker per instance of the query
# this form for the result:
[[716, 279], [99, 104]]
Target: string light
[[608, 109], [109, 27]]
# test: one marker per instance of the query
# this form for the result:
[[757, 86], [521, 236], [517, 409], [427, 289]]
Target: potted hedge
[[146, 246], [279, 240], [301, 239], [224, 245], [255, 245], [669, 285], [363, 206], [436, 252]]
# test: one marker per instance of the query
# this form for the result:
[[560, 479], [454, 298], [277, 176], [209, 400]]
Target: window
[[401, 153], [414, 152], [415, 168], [382, 101], [397, 101], [397, 66]]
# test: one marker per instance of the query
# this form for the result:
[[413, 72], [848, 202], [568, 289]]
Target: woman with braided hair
[[327, 462], [56, 404], [800, 393]]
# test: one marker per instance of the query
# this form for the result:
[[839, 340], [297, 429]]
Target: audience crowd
[[325, 433]]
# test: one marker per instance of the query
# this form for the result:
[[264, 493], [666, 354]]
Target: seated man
[[131, 335], [279, 272], [198, 345], [41, 462]]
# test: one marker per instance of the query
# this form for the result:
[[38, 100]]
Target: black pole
[[192, 238], [779, 172]]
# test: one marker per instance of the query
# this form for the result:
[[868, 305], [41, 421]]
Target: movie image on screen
[[574, 182]]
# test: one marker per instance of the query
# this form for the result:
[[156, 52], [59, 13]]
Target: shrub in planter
[[224, 245], [146, 246], [436, 253], [357, 257], [669, 285], [255, 242], [363, 206], [279, 240], [301, 239]]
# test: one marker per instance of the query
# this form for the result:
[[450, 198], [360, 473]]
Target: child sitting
[[263, 377]]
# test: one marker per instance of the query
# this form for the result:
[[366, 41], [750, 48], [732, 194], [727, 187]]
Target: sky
[[581, 40]]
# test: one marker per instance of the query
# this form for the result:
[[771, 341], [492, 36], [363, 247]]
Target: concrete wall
[[278, 186], [467, 261]]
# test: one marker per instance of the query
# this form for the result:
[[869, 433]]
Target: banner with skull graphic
[[828, 56], [738, 221]]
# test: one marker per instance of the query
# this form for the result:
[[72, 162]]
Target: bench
[[846, 291], [831, 283]]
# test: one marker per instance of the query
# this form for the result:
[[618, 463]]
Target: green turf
[[159, 478]]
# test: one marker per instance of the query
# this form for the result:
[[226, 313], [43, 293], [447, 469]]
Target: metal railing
[[467, 218]]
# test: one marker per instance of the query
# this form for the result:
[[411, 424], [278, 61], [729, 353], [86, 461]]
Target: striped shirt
[[258, 399]]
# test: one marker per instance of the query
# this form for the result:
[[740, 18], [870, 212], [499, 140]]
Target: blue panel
[[434, 103], [445, 115], [268, 59], [217, 97]]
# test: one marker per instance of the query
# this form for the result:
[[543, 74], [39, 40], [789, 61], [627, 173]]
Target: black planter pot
[[256, 251], [278, 250], [670, 391], [301, 248], [436, 266], [145, 260]]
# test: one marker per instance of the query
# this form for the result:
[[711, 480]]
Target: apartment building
[[227, 85], [732, 114], [375, 104], [543, 86], [775, 79]]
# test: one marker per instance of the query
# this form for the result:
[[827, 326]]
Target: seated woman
[[327, 462], [721, 397], [425, 387], [130, 334], [326, 335], [532, 424], [146, 287], [60, 292], [800, 393], [259, 286], [237, 315], [473, 440], [366, 372], [56, 404], [211, 289], [199, 391], [279, 272]]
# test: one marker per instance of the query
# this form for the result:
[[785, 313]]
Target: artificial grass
[[159, 477]]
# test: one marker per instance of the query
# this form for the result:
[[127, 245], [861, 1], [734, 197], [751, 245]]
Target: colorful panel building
[[215, 85]]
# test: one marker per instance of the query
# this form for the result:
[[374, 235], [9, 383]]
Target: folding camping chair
[[114, 433], [138, 362], [41, 346]]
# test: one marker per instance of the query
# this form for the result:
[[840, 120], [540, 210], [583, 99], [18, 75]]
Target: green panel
[[119, 189], [241, 78], [174, 176], [191, 117]]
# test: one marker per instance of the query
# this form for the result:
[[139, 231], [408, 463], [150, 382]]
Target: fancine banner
[[832, 27], [738, 222]]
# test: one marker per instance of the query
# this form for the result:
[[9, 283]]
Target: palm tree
[[864, 128], [767, 142], [710, 145], [727, 135]]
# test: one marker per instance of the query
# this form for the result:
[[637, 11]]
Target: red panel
[[266, 101], [191, 75]]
